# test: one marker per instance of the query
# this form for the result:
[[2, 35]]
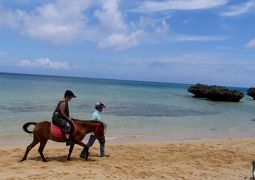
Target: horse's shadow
[[60, 159]]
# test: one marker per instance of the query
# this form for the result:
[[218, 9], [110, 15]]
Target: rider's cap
[[100, 104], [69, 93]]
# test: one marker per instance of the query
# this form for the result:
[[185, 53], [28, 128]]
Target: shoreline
[[228, 158], [121, 141], [23, 138]]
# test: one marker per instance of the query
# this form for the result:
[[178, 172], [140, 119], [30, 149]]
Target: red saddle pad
[[57, 132]]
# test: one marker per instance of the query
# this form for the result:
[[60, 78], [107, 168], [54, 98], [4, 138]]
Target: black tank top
[[57, 110]]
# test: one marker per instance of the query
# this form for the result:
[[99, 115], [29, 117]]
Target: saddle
[[57, 132]]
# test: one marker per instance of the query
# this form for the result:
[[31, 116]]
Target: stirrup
[[69, 142]]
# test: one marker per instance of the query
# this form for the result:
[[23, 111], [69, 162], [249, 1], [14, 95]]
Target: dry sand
[[202, 159]]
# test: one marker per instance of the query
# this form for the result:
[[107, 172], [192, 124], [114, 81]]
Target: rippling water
[[136, 111]]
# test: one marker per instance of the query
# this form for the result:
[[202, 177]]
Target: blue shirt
[[96, 116]]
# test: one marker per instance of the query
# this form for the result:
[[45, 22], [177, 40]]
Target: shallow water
[[136, 111]]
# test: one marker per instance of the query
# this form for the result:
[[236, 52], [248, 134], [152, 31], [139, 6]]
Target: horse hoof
[[253, 169], [86, 157]]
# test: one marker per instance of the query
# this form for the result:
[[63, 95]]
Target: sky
[[176, 41]]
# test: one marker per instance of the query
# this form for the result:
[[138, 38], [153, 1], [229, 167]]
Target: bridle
[[97, 130]]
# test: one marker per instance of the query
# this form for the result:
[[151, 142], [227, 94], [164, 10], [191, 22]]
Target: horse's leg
[[34, 142], [40, 149], [86, 148], [70, 152]]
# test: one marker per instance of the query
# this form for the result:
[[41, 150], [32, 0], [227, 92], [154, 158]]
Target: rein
[[97, 130]]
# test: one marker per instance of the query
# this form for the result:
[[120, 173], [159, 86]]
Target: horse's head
[[97, 127]]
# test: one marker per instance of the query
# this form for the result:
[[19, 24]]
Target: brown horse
[[42, 133]]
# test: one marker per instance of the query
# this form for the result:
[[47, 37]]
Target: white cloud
[[121, 41], [110, 16], [60, 22], [197, 38], [45, 63], [11, 19], [193, 68], [251, 43], [180, 5], [27, 1], [164, 28], [115, 32], [240, 9]]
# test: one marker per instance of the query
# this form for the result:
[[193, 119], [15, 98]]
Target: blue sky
[[181, 41]]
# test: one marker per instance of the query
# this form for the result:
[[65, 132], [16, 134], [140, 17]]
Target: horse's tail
[[25, 126]]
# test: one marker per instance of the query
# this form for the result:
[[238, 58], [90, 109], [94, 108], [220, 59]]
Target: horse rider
[[61, 115]]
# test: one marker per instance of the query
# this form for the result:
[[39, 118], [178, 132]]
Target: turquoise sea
[[135, 111]]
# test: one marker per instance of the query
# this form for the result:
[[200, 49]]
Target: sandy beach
[[197, 159]]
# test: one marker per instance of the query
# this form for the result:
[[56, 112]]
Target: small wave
[[111, 138], [20, 108], [214, 129], [135, 136], [155, 110]]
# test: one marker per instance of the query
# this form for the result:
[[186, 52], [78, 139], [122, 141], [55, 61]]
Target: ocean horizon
[[136, 111], [126, 80]]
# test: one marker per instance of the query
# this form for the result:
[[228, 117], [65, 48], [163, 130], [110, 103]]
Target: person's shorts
[[63, 124]]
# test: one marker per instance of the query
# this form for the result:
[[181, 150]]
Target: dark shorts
[[63, 124]]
